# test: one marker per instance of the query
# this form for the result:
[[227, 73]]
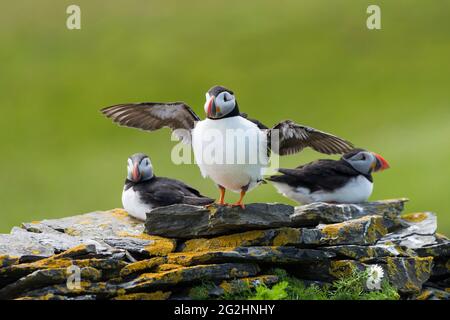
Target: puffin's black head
[[364, 161], [220, 103], [139, 168]]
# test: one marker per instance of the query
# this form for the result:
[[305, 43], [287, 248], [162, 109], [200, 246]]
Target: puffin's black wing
[[318, 175], [151, 116], [257, 122], [294, 138], [165, 191]]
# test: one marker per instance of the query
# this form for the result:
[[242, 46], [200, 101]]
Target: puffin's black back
[[318, 175], [161, 192]]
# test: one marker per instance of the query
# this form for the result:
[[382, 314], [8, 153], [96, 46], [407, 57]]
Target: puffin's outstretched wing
[[294, 138], [257, 122], [151, 116]]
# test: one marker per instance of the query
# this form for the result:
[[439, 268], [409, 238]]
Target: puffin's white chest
[[133, 204], [231, 151], [356, 190]]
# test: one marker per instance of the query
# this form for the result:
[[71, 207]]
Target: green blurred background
[[314, 62]]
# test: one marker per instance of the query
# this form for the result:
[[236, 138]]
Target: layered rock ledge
[[110, 255]]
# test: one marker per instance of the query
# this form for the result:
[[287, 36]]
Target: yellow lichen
[[414, 217], [158, 295], [422, 265], [341, 268], [225, 242], [6, 260], [159, 246], [424, 295], [167, 267], [141, 266], [286, 236]]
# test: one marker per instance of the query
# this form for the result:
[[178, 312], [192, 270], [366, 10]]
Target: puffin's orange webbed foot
[[238, 204]]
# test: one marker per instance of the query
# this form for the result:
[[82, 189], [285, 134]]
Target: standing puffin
[[143, 191], [223, 117], [348, 180]]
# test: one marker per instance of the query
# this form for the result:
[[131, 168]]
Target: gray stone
[[188, 275], [186, 221], [43, 278], [321, 212], [271, 255], [417, 231]]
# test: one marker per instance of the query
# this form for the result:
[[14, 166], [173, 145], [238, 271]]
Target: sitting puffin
[[223, 117], [348, 180], [143, 191]]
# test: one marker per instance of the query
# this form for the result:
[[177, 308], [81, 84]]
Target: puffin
[[241, 145], [347, 180], [143, 191]]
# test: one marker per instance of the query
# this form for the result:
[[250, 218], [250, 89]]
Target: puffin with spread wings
[[223, 116]]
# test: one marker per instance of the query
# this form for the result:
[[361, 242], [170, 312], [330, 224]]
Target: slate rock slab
[[186, 221], [325, 213]]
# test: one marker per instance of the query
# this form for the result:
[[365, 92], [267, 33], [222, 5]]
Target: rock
[[429, 293], [189, 275], [63, 260], [320, 212], [418, 230], [269, 237], [272, 255], [94, 225], [371, 252], [365, 230], [362, 231], [223, 249], [42, 278], [186, 221], [157, 295]]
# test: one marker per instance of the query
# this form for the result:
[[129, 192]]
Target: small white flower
[[375, 275]]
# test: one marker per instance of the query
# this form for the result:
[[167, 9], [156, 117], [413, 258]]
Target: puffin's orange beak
[[136, 174], [211, 107], [380, 164]]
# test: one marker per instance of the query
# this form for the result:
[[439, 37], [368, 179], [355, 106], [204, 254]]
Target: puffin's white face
[[367, 162], [139, 169], [220, 106]]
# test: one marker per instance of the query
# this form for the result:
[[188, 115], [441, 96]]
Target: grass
[[290, 288], [311, 61]]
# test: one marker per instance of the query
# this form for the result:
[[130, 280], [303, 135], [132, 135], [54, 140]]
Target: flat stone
[[143, 244], [417, 231], [142, 266], [187, 275], [269, 237], [362, 231], [273, 255], [29, 246], [440, 249], [42, 278], [370, 252], [17, 271], [186, 221], [320, 212], [95, 225]]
